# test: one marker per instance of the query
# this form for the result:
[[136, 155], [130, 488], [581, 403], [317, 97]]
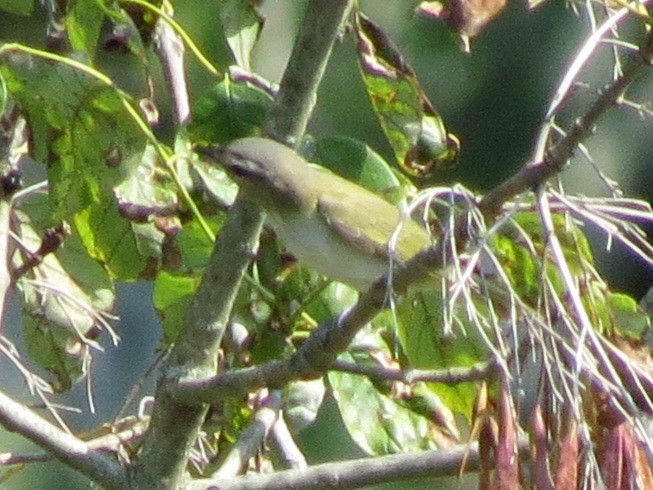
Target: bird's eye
[[244, 168]]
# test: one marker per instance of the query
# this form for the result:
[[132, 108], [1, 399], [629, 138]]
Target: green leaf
[[17, 7], [194, 245], [216, 182], [300, 287], [145, 190], [111, 240], [96, 146], [228, 111], [242, 26], [172, 296], [91, 133], [420, 326], [384, 426], [413, 127], [630, 320], [83, 23]]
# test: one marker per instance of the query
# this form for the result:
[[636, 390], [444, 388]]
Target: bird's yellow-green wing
[[365, 220]]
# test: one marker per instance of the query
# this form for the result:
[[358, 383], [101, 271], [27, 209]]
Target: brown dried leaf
[[566, 473], [507, 464], [466, 17], [541, 476]]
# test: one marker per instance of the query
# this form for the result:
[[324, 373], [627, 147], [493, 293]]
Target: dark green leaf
[[56, 351], [17, 7], [194, 244], [228, 111]]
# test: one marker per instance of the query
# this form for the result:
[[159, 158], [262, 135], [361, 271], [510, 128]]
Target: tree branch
[[171, 52], [294, 103], [67, 448], [450, 376], [361, 472]]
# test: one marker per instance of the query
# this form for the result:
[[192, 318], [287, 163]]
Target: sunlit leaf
[[83, 22], [414, 129], [630, 320], [146, 190], [384, 427], [520, 249], [111, 240], [91, 132], [420, 325], [172, 296], [216, 182], [95, 144]]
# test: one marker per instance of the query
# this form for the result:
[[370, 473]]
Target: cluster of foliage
[[516, 290]]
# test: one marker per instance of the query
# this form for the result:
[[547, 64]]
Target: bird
[[330, 224]]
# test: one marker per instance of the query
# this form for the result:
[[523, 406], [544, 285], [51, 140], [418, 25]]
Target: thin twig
[[292, 456], [450, 376]]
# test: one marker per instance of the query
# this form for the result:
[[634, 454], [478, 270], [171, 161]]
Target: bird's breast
[[318, 247]]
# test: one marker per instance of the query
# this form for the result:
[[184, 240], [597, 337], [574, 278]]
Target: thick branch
[[298, 89], [96, 465], [175, 423], [362, 472]]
